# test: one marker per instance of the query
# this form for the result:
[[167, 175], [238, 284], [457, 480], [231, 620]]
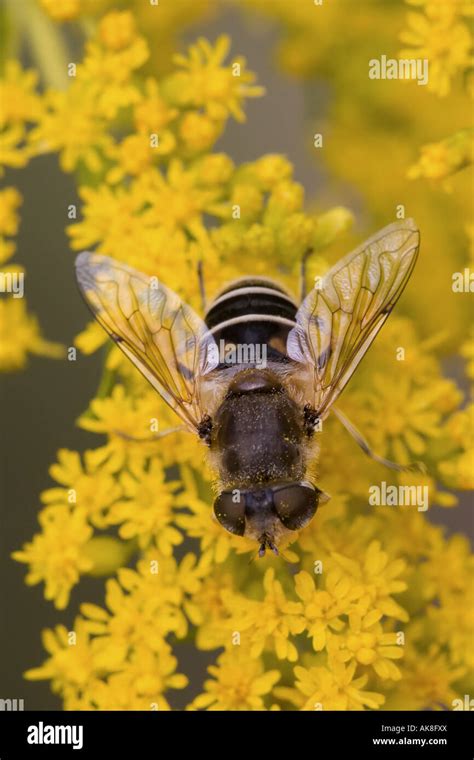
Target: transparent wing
[[159, 333], [337, 322]]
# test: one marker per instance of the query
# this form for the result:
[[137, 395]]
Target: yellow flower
[[286, 197], [71, 665], [427, 682], [135, 154], [20, 335], [249, 199], [207, 84], [259, 243], [13, 151], [81, 667], [146, 222], [131, 420], [18, 98], [91, 486], [336, 689], [452, 625], [177, 201], [144, 605], [329, 225], [456, 467], [106, 71], [402, 417], [10, 200], [208, 612], [91, 338], [239, 683], [123, 419], [323, 609], [267, 624], [151, 112], [436, 495], [271, 169], [460, 427], [56, 555], [108, 215], [378, 575], [214, 169], [295, 235], [84, 142], [458, 471], [147, 511], [117, 692], [409, 534], [117, 30], [366, 643], [442, 9], [147, 676], [62, 10], [442, 159], [445, 41], [198, 132]]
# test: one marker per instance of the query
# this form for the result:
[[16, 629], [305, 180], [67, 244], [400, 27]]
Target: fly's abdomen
[[252, 316]]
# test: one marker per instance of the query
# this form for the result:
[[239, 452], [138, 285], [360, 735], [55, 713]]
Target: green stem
[[106, 383], [44, 40]]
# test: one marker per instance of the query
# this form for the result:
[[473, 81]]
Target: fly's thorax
[[258, 433]]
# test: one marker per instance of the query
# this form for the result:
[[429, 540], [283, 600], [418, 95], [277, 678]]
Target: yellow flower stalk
[[358, 613]]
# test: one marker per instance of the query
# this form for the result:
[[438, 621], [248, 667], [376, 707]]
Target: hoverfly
[[258, 422]]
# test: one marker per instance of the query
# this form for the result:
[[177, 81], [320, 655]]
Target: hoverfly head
[[267, 512]]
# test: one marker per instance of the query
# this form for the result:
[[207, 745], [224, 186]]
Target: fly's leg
[[205, 429], [202, 285], [364, 445], [312, 420], [151, 438]]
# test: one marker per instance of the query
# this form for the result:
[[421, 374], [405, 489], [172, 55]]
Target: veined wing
[[337, 322], [160, 334]]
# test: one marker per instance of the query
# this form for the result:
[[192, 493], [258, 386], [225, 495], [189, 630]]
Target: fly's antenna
[[262, 550], [273, 548]]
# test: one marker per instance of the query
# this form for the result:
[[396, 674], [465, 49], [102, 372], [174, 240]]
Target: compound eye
[[296, 504], [229, 508]]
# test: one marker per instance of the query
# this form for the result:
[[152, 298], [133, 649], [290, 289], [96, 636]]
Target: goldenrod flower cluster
[[442, 33], [373, 129], [369, 606], [19, 330]]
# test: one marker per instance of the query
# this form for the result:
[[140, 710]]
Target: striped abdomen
[[253, 312]]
